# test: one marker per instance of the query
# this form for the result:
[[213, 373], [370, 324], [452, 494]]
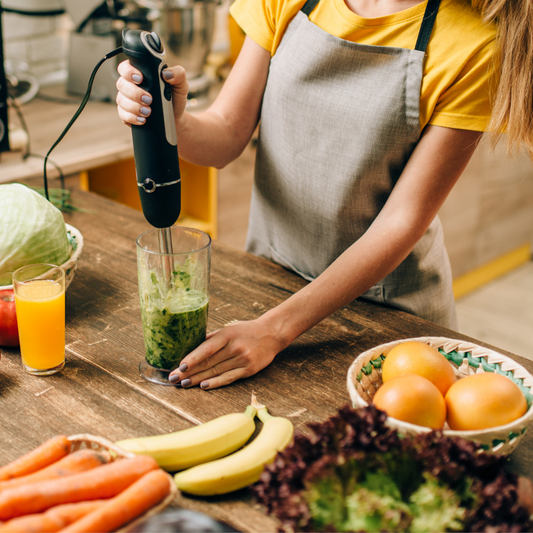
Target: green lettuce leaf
[[326, 503], [376, 505], [436, 507]]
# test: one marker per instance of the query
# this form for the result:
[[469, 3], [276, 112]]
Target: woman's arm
[[242, 349], [220, 134]]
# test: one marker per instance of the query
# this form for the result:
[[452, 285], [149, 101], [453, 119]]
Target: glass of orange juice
[[40, 305]]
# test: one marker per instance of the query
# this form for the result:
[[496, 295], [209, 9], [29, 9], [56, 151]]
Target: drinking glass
[[174, 296], [40, 305]]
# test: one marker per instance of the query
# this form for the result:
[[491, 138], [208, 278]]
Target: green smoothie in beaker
[[174, 318]]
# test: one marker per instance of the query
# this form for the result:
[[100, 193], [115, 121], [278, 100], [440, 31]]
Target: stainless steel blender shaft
[[165, 247]]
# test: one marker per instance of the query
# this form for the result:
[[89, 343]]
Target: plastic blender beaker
[[174, 297]]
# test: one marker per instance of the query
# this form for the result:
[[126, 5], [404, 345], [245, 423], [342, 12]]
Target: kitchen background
[[488, 218]]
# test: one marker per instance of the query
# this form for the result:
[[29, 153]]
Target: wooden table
[[101, 392]]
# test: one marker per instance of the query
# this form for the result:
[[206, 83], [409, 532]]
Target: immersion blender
[[155, 142]]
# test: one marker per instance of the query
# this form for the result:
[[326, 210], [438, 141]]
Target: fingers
[[224, 379], [127, 70], [219, 374], [235, 352], [132, 112], [209, 335], [133, 101], [213, 364], [177, 77], [200, 359]]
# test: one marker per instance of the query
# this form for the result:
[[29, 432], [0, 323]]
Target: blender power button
[[154, 41]]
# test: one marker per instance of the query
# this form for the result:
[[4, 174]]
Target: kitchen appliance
[[4, 137], [159, 182], [155, 142], [186, 26], [93, 35]]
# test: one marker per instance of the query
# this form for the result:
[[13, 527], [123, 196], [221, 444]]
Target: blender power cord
[[78, 112], [27, 152]]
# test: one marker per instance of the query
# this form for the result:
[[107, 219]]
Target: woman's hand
[[217, 135], [134, 102], [235, 352]]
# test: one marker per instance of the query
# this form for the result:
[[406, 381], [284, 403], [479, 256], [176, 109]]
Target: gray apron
[[339, 121]]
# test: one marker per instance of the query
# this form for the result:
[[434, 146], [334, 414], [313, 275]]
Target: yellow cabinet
[[199, 191]]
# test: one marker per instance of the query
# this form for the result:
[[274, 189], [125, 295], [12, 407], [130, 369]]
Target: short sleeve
[[466, 103], [255, 17]]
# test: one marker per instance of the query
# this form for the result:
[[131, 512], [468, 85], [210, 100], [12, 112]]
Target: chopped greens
[[169, 336], [174, 314]]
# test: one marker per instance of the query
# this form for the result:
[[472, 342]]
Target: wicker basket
[[70, 265], [364, 378], [85, 441]]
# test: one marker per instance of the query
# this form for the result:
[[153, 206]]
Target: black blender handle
[[155, 143]]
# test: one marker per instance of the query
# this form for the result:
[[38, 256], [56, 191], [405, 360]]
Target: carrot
[[129, 504], [70, 512], [102, 482], [47, 453], [71, 464], [31, 523], [52, 520]]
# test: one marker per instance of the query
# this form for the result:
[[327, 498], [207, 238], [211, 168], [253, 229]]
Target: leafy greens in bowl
[[32, 230], [354, 473]]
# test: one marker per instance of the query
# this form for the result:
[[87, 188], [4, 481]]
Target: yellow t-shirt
[[460, 70]]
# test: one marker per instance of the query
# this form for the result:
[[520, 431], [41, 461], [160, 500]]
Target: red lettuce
[[307, 485]]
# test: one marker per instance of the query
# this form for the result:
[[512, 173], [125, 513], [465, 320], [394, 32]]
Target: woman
[[370, 111]]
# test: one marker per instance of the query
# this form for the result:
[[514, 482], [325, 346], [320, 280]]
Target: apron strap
[[427, 25], [309, 6], [425, 29]]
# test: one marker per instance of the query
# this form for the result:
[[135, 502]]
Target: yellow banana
[[196, 445], [243, 467]]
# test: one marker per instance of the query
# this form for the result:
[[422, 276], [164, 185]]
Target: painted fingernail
[[136, 78], [185, 382], [183, 367], [173, 378], [204, 384], [167, 74], [147, 99], [142, 120], [145, 111]]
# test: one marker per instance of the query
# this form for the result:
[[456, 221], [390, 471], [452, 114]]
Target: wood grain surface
[[100, 390]]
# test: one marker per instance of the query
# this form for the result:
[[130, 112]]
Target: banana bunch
[[199, 444], [243, 467]]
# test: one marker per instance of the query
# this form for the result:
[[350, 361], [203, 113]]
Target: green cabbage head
[[32, 230]]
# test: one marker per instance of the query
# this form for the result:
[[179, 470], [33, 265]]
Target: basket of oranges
[[437, 383]]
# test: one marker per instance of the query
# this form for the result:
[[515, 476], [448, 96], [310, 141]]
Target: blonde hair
[[512, 105]]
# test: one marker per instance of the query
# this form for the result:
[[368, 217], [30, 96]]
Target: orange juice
[[40, 307]]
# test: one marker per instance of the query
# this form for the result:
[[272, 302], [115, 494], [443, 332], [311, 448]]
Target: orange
[[482, 401], [414, 357], [412, 399]]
